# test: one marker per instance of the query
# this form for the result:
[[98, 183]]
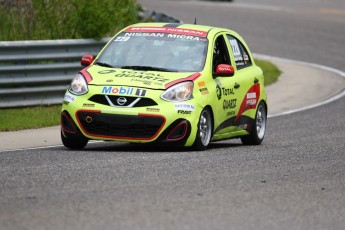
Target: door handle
[[236, 86]]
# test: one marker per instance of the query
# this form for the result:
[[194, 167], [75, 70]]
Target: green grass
[[45, 116], [271, 72], [29, 118]]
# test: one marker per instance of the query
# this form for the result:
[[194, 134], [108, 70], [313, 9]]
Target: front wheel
[[204, 133], [257, 134], [75, 143]]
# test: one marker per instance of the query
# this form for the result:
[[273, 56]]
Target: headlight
[[78, 85], [179, 92]]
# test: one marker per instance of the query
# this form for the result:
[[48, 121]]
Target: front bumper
[[167, 123], [142, 128]]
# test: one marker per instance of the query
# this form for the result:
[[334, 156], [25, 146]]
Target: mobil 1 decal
[[122, 90]]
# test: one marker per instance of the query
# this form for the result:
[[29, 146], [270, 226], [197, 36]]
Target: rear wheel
[[204, 133], [258, 132], [76, 143]]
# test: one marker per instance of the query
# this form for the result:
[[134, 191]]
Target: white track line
[[317, 66], [43, 147]]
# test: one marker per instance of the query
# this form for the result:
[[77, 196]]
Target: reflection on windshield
[[156, 50]]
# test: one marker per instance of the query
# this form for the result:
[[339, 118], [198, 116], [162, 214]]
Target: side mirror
[[224, 70], [86, 60]]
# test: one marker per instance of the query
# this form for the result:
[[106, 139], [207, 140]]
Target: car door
[[225, 105], [246, 81]]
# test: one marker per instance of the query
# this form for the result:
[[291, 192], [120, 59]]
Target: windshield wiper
[[140, 67], [104, 64]]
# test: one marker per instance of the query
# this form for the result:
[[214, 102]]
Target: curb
[[335, 92]]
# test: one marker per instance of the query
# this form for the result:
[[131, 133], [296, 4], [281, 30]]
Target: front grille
[[120, 126], [112, 100]]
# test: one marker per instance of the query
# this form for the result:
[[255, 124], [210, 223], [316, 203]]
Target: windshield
[[155, 51]]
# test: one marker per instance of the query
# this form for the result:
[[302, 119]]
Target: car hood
[[99, 75]]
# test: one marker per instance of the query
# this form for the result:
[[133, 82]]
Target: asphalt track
[[295, 180]]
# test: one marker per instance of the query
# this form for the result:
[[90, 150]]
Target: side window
[[242, 58], [220, 53]]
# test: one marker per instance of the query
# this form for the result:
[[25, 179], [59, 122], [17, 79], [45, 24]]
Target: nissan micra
[[178, 84]]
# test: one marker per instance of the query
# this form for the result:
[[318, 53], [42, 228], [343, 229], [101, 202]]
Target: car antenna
[[195, 21]]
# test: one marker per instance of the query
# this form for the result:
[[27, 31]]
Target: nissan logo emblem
[[121, 101]]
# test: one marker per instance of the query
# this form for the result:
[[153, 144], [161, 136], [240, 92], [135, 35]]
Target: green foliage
[[61, 19]]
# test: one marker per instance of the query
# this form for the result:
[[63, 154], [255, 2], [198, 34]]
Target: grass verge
[[45, 116], [29, 118], [271, 72]]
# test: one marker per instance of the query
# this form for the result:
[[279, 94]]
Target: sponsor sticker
[[123, 91], [128, 35], [219, 83], [145, 82], [156, 110], [157, 78], [201, 84], [184, 106], [184, 112], [160, 35], [69, 98], [229, 104], [203, 91], [251, 99], [228, 91], [169, 30], [88, 105], [230, 113], [219, 92], [251, 95]]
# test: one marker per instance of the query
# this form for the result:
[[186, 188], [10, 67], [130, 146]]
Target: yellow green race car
[[176, 84]]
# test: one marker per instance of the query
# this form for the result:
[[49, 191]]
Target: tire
[[75, 143], [204, 132], [257, 134]]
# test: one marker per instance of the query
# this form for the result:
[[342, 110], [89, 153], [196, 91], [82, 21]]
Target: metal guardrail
[[39, 72]]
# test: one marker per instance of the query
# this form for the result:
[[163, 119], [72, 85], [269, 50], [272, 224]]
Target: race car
[[180, 84]]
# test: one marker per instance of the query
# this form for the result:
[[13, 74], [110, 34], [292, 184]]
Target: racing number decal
[[140, 92], [121, 39], [236, 50]]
